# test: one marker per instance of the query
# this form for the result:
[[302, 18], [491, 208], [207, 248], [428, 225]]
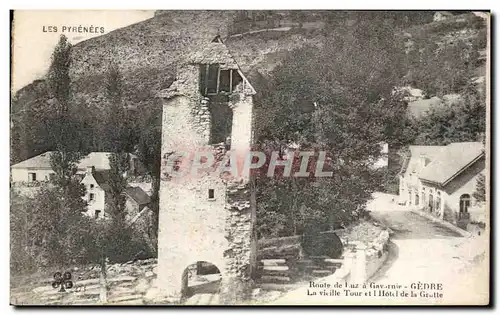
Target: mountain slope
[[147, 52]]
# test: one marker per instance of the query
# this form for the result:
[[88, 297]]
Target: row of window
[[430, 202], [33, 178], [434, 204]]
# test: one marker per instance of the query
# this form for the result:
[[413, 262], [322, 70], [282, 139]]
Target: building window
[[423, 196], [431, 202], [97, 214], [211, 194], [416, 200], [91, 186], [409, 197], [464, 203], [91, 197], [32, 177]]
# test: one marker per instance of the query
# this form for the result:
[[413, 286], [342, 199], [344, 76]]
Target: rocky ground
[[128, 284]]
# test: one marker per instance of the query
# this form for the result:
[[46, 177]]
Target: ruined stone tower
[[206, 217]]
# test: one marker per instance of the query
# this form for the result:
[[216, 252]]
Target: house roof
[[417, 151], [39, 161], [102, 177], [213, 53], [100, 160], [138, 195], [419, 108], [451, 161]]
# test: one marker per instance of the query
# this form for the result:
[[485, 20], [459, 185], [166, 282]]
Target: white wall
[[99, 196], [21, 174], [453, 200], [191, 227], [241, 132]]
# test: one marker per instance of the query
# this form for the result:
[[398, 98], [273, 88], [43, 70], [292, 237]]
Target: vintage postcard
[[272, 157]]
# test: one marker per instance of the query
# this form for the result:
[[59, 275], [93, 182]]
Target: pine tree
[[113, 235], [149, 151], [118, 131]]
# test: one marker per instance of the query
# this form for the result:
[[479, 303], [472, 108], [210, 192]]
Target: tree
[[62, 128], [464, 121], [113, 236], [58, 75], [339, 100], [441, 69], [117, 184], [149, 152], [21, 258], [480, 193], [44, 114], [118, 128]]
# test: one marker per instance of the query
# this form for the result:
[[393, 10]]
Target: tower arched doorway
[[201, 281]]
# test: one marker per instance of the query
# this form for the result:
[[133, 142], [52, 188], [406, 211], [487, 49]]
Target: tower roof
[[216, 53], [213, 53]]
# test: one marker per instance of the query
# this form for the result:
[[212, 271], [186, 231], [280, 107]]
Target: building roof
[[452, 160], [100, 160], [138, 195], [102, 177], [40, 161], [419, 108], [417, 151], [213, 53]]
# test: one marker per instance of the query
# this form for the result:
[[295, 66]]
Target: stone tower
[[205, 216]]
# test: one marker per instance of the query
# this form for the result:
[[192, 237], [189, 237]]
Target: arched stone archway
[[201, 277]]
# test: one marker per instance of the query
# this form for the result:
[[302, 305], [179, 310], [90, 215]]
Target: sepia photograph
[[250, 157]]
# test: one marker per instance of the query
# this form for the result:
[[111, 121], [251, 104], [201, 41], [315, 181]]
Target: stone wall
[[239, 255], [193, 226], [364, 259], [377, 253]]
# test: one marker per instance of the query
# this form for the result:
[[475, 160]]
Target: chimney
[[90, 170], [424, 161]]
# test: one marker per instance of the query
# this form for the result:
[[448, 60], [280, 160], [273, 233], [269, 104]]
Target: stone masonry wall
[[377, 253], [194, 227], [237, 284]]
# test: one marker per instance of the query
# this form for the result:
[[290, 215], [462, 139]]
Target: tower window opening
[[214, 80], [211, 194]]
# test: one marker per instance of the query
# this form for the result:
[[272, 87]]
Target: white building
[[96, 186], [38, 168], [442, 179]]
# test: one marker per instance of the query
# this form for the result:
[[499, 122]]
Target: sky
[[33, 43]]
